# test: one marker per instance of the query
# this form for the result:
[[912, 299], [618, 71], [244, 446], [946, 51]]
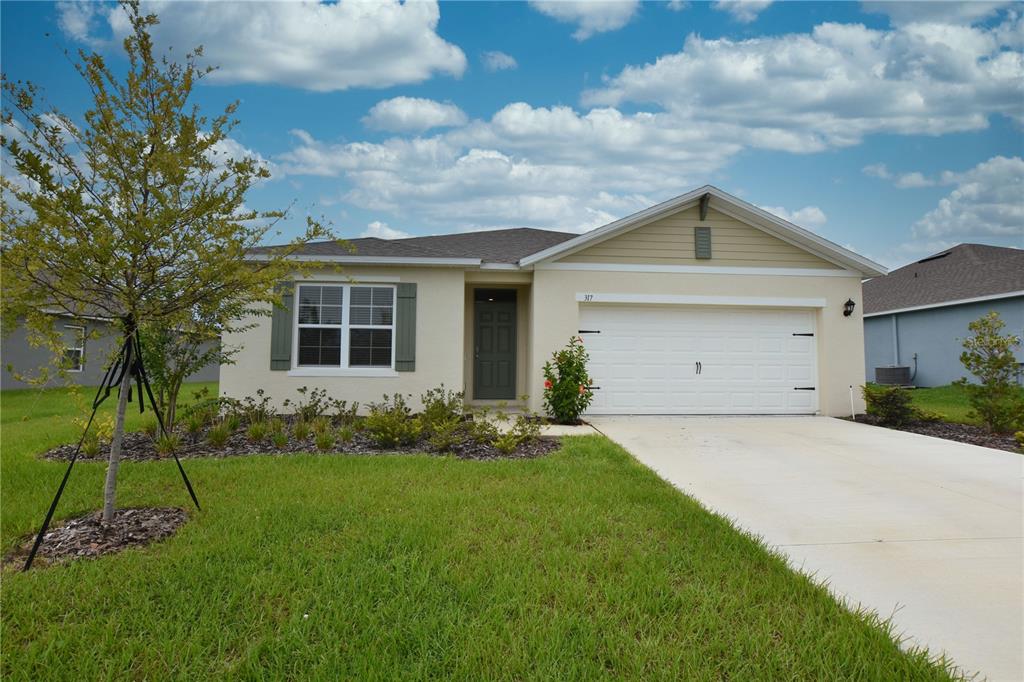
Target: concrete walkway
[[925, 530]]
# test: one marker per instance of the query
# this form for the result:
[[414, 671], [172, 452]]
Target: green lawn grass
[[581, 564], [949, 401]]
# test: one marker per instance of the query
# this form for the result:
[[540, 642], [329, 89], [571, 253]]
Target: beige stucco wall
[[440, 308], [669, 241], [840, 340]]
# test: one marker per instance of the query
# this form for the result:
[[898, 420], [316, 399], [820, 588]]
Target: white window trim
[[298, 370], [80, 349]]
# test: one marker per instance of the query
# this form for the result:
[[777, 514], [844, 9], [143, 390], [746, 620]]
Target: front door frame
[[513, 306]]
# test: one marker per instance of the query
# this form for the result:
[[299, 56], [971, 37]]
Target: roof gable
[[725, 204]]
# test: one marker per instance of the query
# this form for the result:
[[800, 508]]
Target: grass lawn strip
[[579, 564]]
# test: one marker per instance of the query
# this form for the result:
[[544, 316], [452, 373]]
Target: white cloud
[[744, 11], [413, 114], [381, 230], [987, 201], [808, 216], [913, 180], [571, 169], [499, 61], [832, 87], [877, 170], [927, 11], [309, 45], [678, 5], [590, 16], [904, 180]]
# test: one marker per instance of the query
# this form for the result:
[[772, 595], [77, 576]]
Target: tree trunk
[[114, 463]]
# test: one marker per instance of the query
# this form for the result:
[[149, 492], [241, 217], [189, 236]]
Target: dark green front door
[[494, 339]]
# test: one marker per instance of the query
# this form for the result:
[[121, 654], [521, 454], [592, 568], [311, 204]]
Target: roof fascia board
[[378, 260], [945, 304]]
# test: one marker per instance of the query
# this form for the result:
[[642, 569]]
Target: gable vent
[[702, 242]]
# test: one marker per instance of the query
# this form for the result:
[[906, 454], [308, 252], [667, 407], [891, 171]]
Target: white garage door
[[700, 360]]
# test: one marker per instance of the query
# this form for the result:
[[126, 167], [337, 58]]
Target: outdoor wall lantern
[[848, 307]]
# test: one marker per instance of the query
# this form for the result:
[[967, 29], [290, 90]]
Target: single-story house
[[89, 343], [703, 304], [916, 317]]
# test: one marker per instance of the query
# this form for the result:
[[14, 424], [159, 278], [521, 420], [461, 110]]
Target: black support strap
[[129, 359]]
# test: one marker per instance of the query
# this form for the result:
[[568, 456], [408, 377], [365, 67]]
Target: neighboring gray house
[[917, 316], [88, 353]]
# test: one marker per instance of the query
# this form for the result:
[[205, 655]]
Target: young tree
[[138, 214], [988, 354], [171, 355]]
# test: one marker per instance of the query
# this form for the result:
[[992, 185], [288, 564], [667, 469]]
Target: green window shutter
[[702, 242], [405, 328], [281, 329]]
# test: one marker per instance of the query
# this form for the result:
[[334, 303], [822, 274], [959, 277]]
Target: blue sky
[[893, 129]]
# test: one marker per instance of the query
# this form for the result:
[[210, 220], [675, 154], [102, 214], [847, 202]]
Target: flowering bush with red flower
[[567, 391]]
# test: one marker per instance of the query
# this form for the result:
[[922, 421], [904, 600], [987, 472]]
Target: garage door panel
[[645, 360]]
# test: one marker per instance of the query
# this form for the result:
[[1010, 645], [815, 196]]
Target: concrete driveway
[[924, 530]]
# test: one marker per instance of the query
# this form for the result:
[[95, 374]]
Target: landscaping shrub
[[279, 439], [345, 413], [194, 424], [989, 355], [275, 425], [390, 422], [218, 435], [258, 431], [256, 409], [480, 428], [168, 443], [324, 440], [311, 407], [346, 434], [891, 405], [567, 391], [231, 422], [447, 433], [320, 425], [91, 446], [301, 430], [441, 406], [1019, 437], [150, 427], [525, 429]]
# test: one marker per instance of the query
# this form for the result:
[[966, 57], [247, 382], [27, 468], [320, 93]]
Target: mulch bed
[[140, 447], [963, 433], [86, 537]]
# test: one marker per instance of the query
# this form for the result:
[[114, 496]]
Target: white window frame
[[81, 349], [343, 370]]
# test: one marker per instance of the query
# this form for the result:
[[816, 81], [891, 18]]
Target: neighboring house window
[[74, 352], [345, 326]]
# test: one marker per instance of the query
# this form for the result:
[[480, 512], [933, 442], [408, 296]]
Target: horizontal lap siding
[[670, 241]]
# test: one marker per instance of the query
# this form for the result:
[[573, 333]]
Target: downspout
[[895, 342]]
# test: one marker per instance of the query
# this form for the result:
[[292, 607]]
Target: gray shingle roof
[[494, 246], [965, 271]]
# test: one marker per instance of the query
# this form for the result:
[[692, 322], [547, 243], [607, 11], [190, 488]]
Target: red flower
[[547, 383]]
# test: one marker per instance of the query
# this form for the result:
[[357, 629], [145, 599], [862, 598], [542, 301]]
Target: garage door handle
[[803, 388], [699, 367]]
